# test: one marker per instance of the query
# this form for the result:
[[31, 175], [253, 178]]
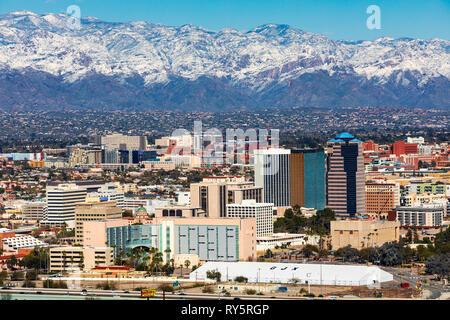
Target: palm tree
[[167, 251], [64, 261], [81, 263]]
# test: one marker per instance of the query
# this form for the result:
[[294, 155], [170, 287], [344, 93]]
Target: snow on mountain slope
[[255, 60]]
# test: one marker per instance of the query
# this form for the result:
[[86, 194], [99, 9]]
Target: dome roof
[[344, 135], [141, 212]]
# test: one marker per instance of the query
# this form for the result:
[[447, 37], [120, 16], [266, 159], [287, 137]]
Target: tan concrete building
[[94, 232], [82, 258], [121, 142], [363, 233], [159, 164], [214, 193], [79, 156], [179, 212], [34, 211], [94, 211]]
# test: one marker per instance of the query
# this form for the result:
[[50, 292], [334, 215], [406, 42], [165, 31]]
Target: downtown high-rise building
[[345, 181], [213, 194], [272, 172], [307, 175], [61, 202]]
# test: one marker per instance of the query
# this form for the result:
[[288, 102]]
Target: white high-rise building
[[263, 212], [109, 193], [61, 202], [272, 172]]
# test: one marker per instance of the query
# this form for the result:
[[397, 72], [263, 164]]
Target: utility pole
[[320, 278]]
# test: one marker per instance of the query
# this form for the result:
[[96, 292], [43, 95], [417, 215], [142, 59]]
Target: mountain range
[[47, 64]]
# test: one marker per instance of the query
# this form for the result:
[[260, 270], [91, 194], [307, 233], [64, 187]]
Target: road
[[136, 294], [405, 275]]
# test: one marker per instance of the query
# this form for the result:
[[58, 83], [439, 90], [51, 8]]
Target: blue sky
[[337, 19]]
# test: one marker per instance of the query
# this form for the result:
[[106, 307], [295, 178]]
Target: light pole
[[258, 280], [321, 279]]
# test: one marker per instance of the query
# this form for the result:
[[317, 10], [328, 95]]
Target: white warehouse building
[[315, 274]]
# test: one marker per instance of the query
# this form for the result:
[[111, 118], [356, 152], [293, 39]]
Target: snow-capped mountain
[[46, 62]]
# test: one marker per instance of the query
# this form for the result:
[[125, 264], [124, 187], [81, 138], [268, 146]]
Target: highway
[[137, 294]]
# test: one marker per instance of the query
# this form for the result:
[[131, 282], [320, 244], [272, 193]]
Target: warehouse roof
[[266, 272]]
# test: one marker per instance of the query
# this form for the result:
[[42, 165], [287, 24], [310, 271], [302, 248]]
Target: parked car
[[404, 285]]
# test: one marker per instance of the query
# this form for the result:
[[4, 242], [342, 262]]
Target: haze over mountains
[[44, 64]]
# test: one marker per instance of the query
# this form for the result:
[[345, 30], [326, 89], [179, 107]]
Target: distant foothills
[[46, 65]]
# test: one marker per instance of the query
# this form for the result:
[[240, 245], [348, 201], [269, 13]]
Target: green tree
[[214, 275], [241, 279], [438, 264], [12, 262], [308, 250], [391, 254], [268, 254], [347, 252]]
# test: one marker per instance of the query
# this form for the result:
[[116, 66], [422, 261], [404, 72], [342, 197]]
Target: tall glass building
[[272, 167], [307, 176]]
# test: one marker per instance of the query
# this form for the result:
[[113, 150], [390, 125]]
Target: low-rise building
[[363, 233], [424, 216], [179, 212], [34, 211], [21, 242], [288, 239], [95, 211], [80, 258]]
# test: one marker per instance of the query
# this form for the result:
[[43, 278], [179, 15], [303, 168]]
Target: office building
[[214, 193], [223, 239], [272, 172], [263, 212], [80, 258], [96, 211], [381, 198], [345, 182], [94, 232], [121, 142], [307, 175], [61, 202], [34, 211]]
